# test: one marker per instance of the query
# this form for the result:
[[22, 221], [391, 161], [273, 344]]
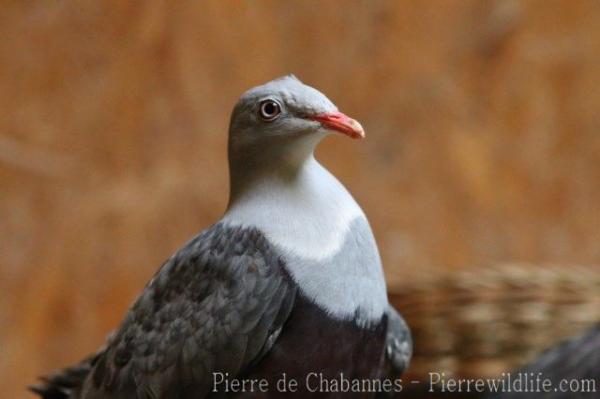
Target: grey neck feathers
[[278, 159]]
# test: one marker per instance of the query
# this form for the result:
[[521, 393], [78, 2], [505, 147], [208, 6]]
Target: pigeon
[[286, 286]]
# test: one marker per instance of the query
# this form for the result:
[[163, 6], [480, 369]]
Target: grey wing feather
[[575, 359], [398, 343], [67, 383], [64, 383], [213, 306]]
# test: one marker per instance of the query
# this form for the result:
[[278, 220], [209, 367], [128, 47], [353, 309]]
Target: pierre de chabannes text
[[438, 382]]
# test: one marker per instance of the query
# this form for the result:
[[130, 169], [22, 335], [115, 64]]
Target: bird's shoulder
[[213, 306], [398, 343]]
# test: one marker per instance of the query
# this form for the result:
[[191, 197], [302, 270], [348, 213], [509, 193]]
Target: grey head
[[276, 126]]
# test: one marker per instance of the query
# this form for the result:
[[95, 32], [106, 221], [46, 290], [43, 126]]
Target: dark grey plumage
[[398, 349], [218, 304], [65, 382], [398, 343], [575, 359], [214, 305]]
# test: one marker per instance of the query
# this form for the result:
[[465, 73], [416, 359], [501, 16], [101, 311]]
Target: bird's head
[[276, 126]]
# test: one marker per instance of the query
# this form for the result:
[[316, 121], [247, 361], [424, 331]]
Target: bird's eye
[[269, 110]]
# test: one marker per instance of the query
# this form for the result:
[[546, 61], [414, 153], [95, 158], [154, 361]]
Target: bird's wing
[[398, 343], [215, 306], [577, 359], [65, 382]]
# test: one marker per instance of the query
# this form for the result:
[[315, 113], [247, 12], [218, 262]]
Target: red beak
[[340, 123]]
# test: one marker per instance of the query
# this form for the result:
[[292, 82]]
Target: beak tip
[[359, 131], [341, 123]]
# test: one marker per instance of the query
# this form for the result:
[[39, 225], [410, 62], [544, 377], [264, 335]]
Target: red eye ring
[[269, 110]]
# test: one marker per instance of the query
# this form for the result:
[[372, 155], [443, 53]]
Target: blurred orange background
[[483, 141]]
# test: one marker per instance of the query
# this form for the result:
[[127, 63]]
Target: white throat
[[308, 216]]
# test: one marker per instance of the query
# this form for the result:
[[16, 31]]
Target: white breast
[[326, 240]]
